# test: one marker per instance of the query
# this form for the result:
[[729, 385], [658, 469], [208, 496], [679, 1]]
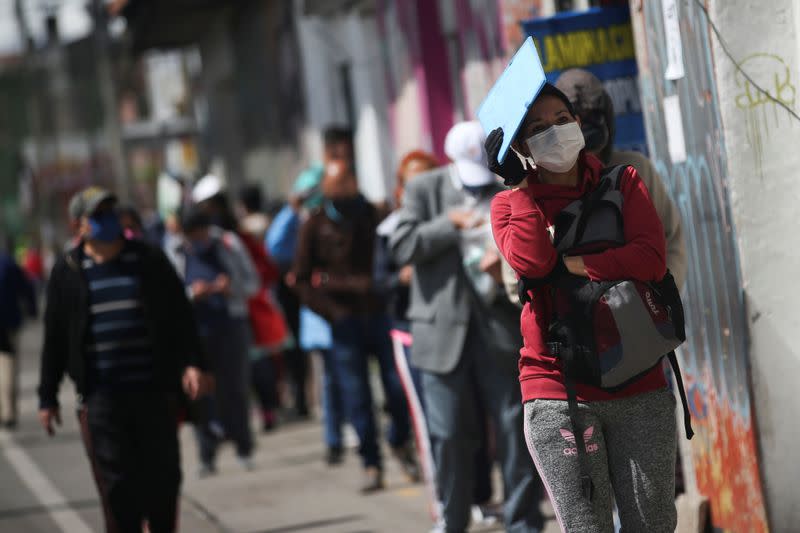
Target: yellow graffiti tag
[[587, 47], [778, 86]]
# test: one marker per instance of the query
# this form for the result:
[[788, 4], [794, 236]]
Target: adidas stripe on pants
[[630, 443]]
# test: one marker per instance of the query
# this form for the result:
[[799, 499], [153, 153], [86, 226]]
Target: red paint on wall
[[726, 460]]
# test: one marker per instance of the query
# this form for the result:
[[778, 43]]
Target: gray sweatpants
[[630, 444]]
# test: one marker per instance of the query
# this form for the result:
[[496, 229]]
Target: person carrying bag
[[599, 316]]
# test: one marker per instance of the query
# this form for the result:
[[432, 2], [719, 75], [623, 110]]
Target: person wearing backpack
[[616, 445], [219, 278]]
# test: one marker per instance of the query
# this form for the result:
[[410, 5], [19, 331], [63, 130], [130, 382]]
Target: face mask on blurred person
[[595, 133], [105, 227], [557, 147]]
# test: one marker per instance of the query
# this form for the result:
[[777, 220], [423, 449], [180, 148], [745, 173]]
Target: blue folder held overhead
[[509, 99]]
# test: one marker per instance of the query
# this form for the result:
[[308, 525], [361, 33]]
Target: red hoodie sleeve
[[643, 257], [520, 232]]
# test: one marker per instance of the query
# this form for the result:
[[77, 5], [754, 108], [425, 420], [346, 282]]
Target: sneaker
[[373, 480], [408, 462], [206, 470], [247, 463], [485, 515], [335, 456]]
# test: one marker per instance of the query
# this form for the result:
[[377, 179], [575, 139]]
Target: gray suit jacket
[[442, 301]]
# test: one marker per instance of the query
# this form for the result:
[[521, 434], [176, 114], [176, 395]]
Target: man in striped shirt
[[119, 323]]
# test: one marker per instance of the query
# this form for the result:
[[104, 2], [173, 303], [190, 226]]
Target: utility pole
[[108, 93]]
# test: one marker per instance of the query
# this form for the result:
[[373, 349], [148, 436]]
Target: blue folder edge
[[512, 94]]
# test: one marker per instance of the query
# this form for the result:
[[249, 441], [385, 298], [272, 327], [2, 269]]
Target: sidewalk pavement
[[45, 483]]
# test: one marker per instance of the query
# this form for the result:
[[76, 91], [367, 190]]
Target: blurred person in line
[[15, 289], [119, 324], [252, 219], [219, 278], [594, 106], [211, 198], [131, 222], [465, 332], [311, 330], [631, 457], [270, 333], [394, 282], [333, 272], [74, 213], [171, 199], [33, 265]]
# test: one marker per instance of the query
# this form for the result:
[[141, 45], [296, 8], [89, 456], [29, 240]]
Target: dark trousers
[[229, 406], [132, 442], [482, 382], [297, 360], [264, 380], [354, 339]]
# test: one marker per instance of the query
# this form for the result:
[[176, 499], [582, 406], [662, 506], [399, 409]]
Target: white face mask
[[557, 147]]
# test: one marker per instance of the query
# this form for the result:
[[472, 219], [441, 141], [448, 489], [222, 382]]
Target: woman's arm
[[520, 232], [643, 257]]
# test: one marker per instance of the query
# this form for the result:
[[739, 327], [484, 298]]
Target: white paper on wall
[[672, 32], [674, 122]]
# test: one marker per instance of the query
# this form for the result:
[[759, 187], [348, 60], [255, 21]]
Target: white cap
[[464, 146], [207, 187]]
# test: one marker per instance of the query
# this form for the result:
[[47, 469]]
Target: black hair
[[195, 219], [551, 90], [130, 211], [251, 199], [337, 134]]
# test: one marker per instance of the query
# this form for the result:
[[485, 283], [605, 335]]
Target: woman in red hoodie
[[630, 435]]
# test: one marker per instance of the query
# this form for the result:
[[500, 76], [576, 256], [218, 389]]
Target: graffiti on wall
[[599, 40], [763, 112], [715, 359]]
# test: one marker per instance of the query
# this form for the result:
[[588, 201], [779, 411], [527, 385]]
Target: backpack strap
[[614, 174], [610, 179], [586, 484], [687, 416]]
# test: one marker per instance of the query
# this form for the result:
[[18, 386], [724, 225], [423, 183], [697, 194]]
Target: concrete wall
[[697, 158], [763, 159]]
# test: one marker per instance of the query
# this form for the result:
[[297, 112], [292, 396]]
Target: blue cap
[[513, 93]]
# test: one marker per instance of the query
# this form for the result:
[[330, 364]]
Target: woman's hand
[[511, 169], [575, 266]]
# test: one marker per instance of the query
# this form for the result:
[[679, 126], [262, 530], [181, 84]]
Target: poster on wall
[[599, 40]]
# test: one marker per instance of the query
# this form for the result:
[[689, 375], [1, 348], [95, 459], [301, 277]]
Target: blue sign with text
[[599, 40]]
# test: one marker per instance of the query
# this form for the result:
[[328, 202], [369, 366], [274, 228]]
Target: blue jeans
[[354, 338], [332, 409]]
